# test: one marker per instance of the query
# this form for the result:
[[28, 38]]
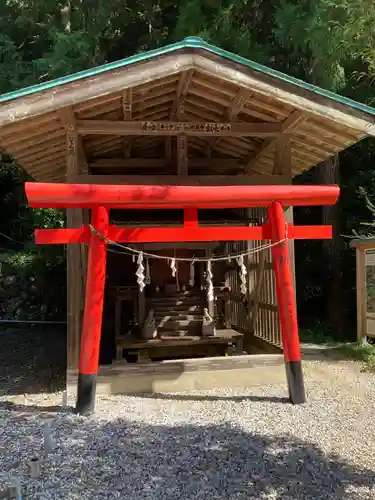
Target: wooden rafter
[[238, 103], [181, 93], [169, 128], [127, 95], [288, 125], [232, 112]]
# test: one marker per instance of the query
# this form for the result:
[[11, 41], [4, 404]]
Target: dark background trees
[[330, 43]]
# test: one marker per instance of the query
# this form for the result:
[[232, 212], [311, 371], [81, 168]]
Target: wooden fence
[[257, 313]]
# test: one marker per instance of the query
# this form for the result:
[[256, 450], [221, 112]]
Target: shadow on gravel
[[123, 460], [208, 397], [32, 360]]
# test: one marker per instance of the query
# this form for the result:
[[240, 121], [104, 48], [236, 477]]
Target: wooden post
[[182, 143], [74, 259], [76, 164], [283, 166], [141, 307], [361, 293], [286, 303], [93, 314], [127, 96], [210, 303], [255, 296]]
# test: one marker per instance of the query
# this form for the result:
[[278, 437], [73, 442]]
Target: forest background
[[330, 43]]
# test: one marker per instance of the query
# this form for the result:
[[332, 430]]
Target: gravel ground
[[216, 445]]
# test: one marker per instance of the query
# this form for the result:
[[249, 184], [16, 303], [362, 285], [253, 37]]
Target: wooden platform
[[146, 350], [229, 372]]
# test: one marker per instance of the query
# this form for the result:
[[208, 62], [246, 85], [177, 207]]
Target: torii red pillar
[[101, 198]]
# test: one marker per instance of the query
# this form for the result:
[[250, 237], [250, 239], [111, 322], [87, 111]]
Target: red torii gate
[[101, 198]]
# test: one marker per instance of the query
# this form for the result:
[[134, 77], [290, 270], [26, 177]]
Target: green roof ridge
[[188, 42]]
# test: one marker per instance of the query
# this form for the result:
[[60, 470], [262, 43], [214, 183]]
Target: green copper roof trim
[[192, 42], [143, 56]]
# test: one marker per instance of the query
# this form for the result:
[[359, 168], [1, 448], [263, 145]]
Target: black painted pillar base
[[86, 392], [296, 386]]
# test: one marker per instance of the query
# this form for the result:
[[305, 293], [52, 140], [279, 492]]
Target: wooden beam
[[177, 112], [127, 96], [179, 105], [74, 142], [75, 254], [232, 112], [238, 102], [166, 128], [283, 156], [181, 92], [288, 125], [160, 163], [255, 295], [72, 156], [182, 154], [182, 142], [361, 293], [193, 180], [212, 143]]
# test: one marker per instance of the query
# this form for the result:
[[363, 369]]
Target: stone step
[[175, 307], [178, 323], [170, 300], [187, 293], [180, 333], [178, 316]]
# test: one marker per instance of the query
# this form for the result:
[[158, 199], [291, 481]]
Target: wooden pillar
[[283, 166], [286, 302], [74, 218], [127, 97], [93, 314], [76, 255], [361, 294], [182, 143]]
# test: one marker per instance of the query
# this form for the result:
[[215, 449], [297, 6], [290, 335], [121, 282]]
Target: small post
[[92, 318], [141, 307], [210, 287], [361, 294], [35, 468], [287, 304]]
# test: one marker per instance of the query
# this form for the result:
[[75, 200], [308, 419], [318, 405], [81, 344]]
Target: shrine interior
[[177, 301]]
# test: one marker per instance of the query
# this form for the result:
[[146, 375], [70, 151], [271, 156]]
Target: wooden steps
[[174, 346], [178, 314], [178, 318]]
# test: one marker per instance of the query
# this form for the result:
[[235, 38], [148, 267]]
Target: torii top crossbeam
[[51, 195]]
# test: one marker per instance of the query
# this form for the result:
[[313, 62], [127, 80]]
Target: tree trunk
[[328, 172], [66, 16]]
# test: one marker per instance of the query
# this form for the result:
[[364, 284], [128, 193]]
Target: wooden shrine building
[[189, 114]]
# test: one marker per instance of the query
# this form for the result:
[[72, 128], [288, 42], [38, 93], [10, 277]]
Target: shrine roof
[[217, 86]]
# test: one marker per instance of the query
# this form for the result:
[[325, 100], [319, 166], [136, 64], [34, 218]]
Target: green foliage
[[326, 42], [318, 333], [32, 278], [364, 352], [33, 284]]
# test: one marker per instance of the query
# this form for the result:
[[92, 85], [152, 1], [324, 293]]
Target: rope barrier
[[133, 251]]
